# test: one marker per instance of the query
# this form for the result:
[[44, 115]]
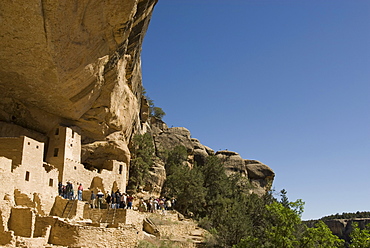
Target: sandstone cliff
[[74, 63], [77, 63], [259, 175]]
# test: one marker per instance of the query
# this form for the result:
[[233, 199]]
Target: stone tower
[[64, 149]]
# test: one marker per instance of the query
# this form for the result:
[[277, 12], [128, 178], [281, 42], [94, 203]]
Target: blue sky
[[283, 82]]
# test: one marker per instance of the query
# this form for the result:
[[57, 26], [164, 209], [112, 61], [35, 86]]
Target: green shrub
[[142, 155]]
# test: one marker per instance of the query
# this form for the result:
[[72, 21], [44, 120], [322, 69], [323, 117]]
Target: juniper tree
[[142, 154]]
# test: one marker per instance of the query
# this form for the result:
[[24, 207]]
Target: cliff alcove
[[71, 101]]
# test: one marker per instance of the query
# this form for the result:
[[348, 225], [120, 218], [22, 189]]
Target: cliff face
[[73, 62], [77, 63]]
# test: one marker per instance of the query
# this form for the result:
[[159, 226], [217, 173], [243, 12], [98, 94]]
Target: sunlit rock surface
[[65, 62]]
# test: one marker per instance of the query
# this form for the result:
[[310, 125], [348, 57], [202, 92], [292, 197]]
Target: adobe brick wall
[[39, 182], [33, 152], [42, 225], [6, 176], [6, 237], [32, 185], [22, 221], [30, 176], [124, 216], [65, 234]]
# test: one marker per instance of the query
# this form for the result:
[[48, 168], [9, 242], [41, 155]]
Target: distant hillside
[[344, 215], [341, 225]]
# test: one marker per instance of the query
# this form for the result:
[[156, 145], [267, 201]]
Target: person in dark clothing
[[92, 200], [60, 188], [114, 200], [108, 199], [69, 191], [118, 199]]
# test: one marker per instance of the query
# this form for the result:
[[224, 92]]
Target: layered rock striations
[[73, 62]]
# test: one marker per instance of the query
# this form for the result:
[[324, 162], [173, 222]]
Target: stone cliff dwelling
[[71, 75], [31, 210], [23, 158]]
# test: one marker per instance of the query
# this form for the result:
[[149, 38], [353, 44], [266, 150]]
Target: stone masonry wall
[[22, 221], [31, 177], [123, 216], [84, 236]]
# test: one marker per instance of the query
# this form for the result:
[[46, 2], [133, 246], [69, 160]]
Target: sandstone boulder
[[175, 136], [260, 176], [233, 163], [150, 227], [258, 170]]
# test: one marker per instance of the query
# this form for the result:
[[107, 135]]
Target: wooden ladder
[[111, 215], [68, 208]]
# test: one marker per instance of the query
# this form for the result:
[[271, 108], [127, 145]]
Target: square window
[[51, 182]]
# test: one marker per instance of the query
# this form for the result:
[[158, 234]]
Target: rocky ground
[[174, 231]]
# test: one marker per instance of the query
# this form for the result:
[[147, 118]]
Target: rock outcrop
[[259, 175], [233, 162], [171, 137], [157, 176], [74, 63], [201, 152]]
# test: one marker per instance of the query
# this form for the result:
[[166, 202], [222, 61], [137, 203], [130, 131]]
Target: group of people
[[67, 192], [116, 200], [154, 204], [113, 200]]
